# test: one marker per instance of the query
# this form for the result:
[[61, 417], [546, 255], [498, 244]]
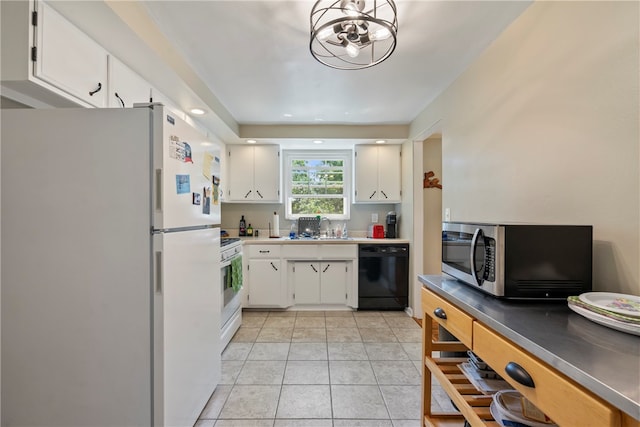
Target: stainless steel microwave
[[520, 261]]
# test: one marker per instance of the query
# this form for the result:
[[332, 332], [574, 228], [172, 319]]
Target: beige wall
[[432, 208], [543, 127]]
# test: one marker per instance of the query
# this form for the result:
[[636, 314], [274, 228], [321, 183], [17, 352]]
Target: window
[[317, 183]]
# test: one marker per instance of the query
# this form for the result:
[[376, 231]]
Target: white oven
[[231, 314]]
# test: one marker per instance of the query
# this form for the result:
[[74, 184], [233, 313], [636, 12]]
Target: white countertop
[[306, 241]]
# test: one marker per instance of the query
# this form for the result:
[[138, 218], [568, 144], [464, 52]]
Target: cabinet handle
[[159, 272], [326, 268], [264, 252], [92, 92], [439, 313], [372, 194], [519, 374], [313, 268], [273, 266], [258, 191], [159, 189], [119, 99], [384, 194], [247, 195]]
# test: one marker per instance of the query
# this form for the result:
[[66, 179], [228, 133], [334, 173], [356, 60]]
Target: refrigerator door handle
[[159, 189], [159, 272]]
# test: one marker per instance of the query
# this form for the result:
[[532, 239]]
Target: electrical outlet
[[447, 214], [374, 218]]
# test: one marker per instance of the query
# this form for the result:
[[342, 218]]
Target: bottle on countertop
[[242, 231], [250, 230]]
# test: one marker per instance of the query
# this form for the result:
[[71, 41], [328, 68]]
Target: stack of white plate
[[507, 409], [616, 311]]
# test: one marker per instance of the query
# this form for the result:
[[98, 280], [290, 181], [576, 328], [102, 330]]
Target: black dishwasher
[[383, 276]]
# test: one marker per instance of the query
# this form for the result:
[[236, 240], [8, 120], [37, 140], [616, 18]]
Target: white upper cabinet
[[126, 87], [68, 59], [377, 174], [253, 173]]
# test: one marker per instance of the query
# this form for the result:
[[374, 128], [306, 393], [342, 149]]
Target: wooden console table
[[579, 373]]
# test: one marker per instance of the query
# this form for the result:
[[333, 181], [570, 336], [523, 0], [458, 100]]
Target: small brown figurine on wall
[[430, 182]]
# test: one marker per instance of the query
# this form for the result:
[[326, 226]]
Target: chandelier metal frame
[[353, 34]]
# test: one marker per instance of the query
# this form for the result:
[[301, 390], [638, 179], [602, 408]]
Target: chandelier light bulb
[[381, 34], [324, 33], [352, 50]]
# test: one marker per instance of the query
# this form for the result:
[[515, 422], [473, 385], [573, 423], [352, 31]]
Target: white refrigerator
[[110, 268]]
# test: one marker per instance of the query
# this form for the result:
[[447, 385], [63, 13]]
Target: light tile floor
[[321, 369]]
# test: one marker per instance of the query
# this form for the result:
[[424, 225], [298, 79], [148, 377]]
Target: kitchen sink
[[318, 238]]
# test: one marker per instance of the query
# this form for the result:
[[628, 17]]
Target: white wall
[[543, 127]]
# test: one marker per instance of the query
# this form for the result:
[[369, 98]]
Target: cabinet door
[[306, 282], [126, 87], [389, 173], [266, 173], [68, 59], [240, 176], [265, 283], [333, 287], [366, 173]]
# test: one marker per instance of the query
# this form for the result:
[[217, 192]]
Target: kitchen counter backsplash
[[260, 216]]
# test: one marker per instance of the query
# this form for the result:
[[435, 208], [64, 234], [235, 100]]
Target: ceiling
[[249, 63]]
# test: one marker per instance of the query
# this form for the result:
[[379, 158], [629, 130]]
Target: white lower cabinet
[[265, 289], [265, 278], [320, 282], [301, 275]]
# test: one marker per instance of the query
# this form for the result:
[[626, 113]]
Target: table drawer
[[563, 401], [449, 316]]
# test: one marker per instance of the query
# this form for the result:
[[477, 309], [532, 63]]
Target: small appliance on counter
[[392, 225], [520, 261], [375, 231]]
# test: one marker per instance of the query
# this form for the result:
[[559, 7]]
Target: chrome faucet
[[329, 229]]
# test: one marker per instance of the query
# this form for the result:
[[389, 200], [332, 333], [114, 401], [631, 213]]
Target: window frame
[[345, 155]]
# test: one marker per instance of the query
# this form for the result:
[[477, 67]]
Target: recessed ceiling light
[[381, 141], [197, 111], [251, 141], [317, 141], [287, 115]]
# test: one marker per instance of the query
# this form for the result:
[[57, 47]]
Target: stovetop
[[228, 240]]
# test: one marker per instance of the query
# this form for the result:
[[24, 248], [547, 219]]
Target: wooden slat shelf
[[473, 406]]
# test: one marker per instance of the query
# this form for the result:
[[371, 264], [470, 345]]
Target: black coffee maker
[[392, 225]]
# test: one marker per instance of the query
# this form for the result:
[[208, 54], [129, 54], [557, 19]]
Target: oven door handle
[[472, 255], [227, 263]]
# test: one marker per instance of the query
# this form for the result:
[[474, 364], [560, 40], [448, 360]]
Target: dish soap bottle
[[249, 230], [242, 231]]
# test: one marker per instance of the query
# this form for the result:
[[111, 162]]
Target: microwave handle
[[474, 242]]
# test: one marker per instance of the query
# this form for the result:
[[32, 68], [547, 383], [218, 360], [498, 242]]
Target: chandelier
[[353, 34]]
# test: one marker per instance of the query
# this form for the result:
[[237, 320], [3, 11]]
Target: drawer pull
[[519, 374], [439, 313]]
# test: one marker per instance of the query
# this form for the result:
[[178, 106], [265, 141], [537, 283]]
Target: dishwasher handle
[[384, 250]]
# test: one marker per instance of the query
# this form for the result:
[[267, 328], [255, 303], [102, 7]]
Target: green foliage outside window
[[317, 187]]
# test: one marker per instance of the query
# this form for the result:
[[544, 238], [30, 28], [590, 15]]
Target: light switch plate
[[374, 218], [447, 214]]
